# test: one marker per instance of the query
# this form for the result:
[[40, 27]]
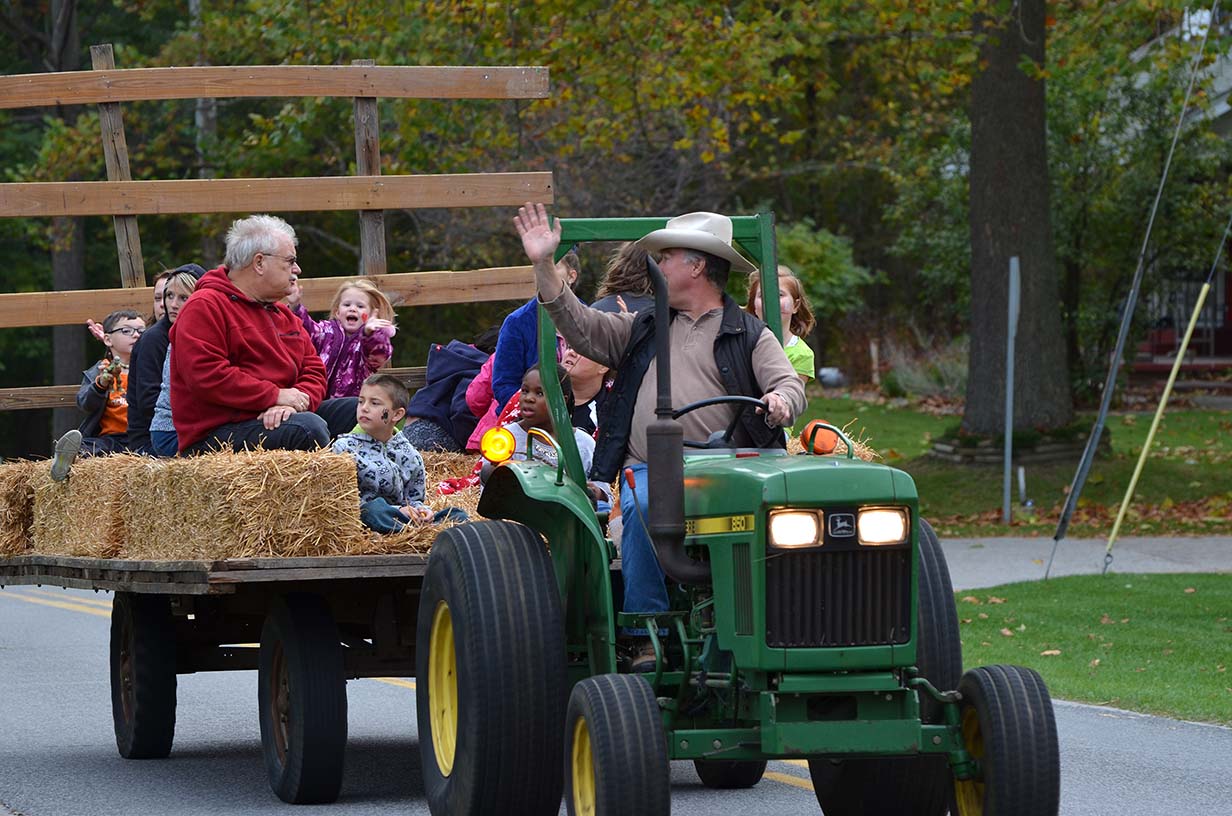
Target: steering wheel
[[741, 402]]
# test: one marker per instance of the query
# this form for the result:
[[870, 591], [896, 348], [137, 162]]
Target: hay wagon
[[320, 617], [179, 617]]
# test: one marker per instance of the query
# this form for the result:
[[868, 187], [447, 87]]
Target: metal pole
[[1011, 334]]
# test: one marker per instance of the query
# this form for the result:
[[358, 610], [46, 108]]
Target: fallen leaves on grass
[[1212, 513], [993, 599], [1050, 652], [1007, 632], [971, 599], [1190, 590], [1094, 663]]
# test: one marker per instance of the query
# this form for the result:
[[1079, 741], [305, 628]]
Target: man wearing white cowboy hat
[[716, 348]]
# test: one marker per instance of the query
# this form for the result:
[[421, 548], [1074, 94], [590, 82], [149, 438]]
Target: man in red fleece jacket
[[243, 370]]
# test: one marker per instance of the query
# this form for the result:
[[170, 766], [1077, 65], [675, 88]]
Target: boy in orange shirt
[[103, 386]]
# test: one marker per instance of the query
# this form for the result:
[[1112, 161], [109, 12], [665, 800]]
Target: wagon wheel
[[143, 675], [302, 700], [729, 774]]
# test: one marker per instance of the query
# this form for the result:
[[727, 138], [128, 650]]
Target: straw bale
[[17, 506], [83, 516], [241, 505]]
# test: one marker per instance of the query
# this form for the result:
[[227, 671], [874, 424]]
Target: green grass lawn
[[1158, 644], [1185, 488]]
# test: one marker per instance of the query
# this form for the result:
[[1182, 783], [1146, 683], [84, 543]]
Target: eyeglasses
[[127, 331], [290, 259]]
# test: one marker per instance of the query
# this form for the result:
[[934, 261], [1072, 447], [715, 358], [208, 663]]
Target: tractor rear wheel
[[616, 757], [143, 675], [301, 700], [490, 663], [919, 785], [729, 774], [1009, 728]]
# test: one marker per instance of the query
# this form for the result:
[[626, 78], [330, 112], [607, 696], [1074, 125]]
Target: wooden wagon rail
[[403, 289], [408, 288], [126, 198], [222, 82]]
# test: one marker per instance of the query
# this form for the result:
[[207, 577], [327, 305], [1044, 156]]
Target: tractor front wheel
[[1009, 728], [616, 756], [490, 668]]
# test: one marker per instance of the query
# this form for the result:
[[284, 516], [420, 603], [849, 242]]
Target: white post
[[1011, 334]]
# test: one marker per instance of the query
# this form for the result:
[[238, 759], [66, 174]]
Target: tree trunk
[[1010, 216], [68, 255], [205, 119], [67, 272]]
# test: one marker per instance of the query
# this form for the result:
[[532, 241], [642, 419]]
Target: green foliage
[[930, 214], [833, 282]]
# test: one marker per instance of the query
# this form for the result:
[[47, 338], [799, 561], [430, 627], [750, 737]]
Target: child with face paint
[[389, 470]]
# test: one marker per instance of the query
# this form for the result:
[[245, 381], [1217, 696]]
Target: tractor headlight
[[794, 528], [883, 525]]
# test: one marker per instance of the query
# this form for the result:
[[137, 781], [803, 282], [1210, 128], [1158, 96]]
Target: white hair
[[256, 233]]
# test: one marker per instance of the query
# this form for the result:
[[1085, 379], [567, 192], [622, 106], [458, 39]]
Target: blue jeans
[[378, 514], [164, 443], [645, 591]]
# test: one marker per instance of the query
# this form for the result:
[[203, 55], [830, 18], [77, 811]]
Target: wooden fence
[[368, 193]]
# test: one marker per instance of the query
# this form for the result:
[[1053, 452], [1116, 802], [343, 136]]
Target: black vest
[[733, 353]]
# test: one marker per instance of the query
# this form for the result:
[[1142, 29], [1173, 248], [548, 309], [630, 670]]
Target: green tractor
[[812, 618]]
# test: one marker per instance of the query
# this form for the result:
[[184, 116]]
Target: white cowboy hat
[[705, 231]]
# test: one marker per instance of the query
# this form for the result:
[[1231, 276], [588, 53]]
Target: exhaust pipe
[[665, 457]]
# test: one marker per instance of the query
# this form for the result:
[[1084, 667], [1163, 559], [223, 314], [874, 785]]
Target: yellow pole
[[1159, 414]]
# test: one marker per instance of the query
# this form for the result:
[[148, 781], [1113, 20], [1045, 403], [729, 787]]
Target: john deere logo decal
[[842, 525]]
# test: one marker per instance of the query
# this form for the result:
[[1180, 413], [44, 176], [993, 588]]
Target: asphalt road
[[57, 751]]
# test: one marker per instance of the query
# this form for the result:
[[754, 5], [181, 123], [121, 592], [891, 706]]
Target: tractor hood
[[720, 484]]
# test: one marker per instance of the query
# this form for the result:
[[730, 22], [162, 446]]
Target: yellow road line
[[803, 763], [106, 604], [89, 610], [788, 779], [395, 681]]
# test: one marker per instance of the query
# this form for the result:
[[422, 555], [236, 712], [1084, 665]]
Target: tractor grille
[[838, 596]]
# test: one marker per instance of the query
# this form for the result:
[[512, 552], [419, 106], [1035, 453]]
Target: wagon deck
[[199, 577]]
